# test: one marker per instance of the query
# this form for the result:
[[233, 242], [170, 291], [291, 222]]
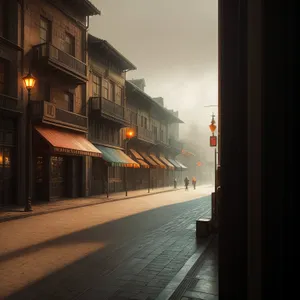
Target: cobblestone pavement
[[118, 250], [202, 281], [17, 212]]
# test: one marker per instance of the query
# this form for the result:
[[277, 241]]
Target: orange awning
[[139, 159], [68, 143], [149, 160], [166, 162], [161, 165], [136, 155], [143, 164]]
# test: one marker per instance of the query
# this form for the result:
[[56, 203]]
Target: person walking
[[186, 183], [194, 182]]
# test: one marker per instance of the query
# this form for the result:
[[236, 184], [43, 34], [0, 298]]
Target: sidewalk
[[198, 278], [40, 208]]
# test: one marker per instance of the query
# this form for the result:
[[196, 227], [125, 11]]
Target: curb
[[31, 214], [175, 284]]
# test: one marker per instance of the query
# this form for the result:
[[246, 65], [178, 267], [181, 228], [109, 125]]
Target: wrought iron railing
[[145, 134], [10, 103], [62, 58], [48, 111], [109, 108]]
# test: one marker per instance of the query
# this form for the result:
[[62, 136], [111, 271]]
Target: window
[[111, 91], [118, 95], [69, 46], [155, 132], [96, 86], [69, 102], [3, 74], [146, 122], [105, 88], [162, 135], [44, 30]]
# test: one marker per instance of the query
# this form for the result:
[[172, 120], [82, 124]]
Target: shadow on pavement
[[117, 236]]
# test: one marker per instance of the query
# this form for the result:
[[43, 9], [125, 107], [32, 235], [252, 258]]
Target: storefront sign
[[68, 151]]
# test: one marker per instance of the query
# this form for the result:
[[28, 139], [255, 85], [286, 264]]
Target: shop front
[[59, 163], [110, 170], [169, 173], [139, 178]]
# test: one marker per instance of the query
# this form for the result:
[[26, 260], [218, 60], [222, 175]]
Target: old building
[[151, 144], [55, 51], [11, 109], [107, 115]]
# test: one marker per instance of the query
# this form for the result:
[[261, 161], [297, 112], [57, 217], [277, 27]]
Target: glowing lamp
[[129, 134], [29, 81]]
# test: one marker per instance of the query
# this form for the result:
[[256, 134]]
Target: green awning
[[116, 157]]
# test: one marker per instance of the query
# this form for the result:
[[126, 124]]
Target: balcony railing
[[109, 109], [145, 134], [48, 113], [60, 58], [10, 103]]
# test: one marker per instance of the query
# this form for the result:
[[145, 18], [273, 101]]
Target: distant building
[[140, 83]]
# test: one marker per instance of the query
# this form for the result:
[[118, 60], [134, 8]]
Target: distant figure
[[175, 183], [194, 182], [186, 183]]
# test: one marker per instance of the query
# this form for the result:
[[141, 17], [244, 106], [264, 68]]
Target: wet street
[[127, 249]]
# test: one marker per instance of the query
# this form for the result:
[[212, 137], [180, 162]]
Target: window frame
[[48, 30], [72, 43]]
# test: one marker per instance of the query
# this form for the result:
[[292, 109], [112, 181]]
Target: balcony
[[145, 135], [48, 57], [46, 112], [9, 103], [161, 142], [109, 110]]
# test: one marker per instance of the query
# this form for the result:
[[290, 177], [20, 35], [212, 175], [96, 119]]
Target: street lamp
[[129, 135], [213, 143], [29, 82]]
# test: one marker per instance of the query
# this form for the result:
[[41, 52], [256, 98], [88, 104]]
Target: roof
[[101, 44], [89, 8], [153, 102]]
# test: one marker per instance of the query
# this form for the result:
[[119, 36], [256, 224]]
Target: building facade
[[55, 52], [151, 144], [66, 136], [107, 116], [11, 109]]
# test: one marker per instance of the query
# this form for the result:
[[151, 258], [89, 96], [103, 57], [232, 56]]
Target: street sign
[[213, 141]]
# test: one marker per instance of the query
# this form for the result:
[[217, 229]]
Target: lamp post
[[29, 82], [213, 143], [129, 136]]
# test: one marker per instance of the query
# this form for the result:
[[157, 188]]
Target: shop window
[[39, 169]]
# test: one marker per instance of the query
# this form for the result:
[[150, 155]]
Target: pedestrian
[[175, 183], [194, 182], [186, 183]]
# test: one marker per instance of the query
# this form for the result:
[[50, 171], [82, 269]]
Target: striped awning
[[166, 162], [139, 159], [149, 160], [183, 167], [158, 162], [117, 158], [177, 164]]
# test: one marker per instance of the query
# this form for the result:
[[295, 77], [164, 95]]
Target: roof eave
[[91, 8]]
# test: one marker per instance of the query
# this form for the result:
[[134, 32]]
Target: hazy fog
[[173, 43]]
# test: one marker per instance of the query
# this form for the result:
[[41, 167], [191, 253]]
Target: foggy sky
[[173, 43]]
